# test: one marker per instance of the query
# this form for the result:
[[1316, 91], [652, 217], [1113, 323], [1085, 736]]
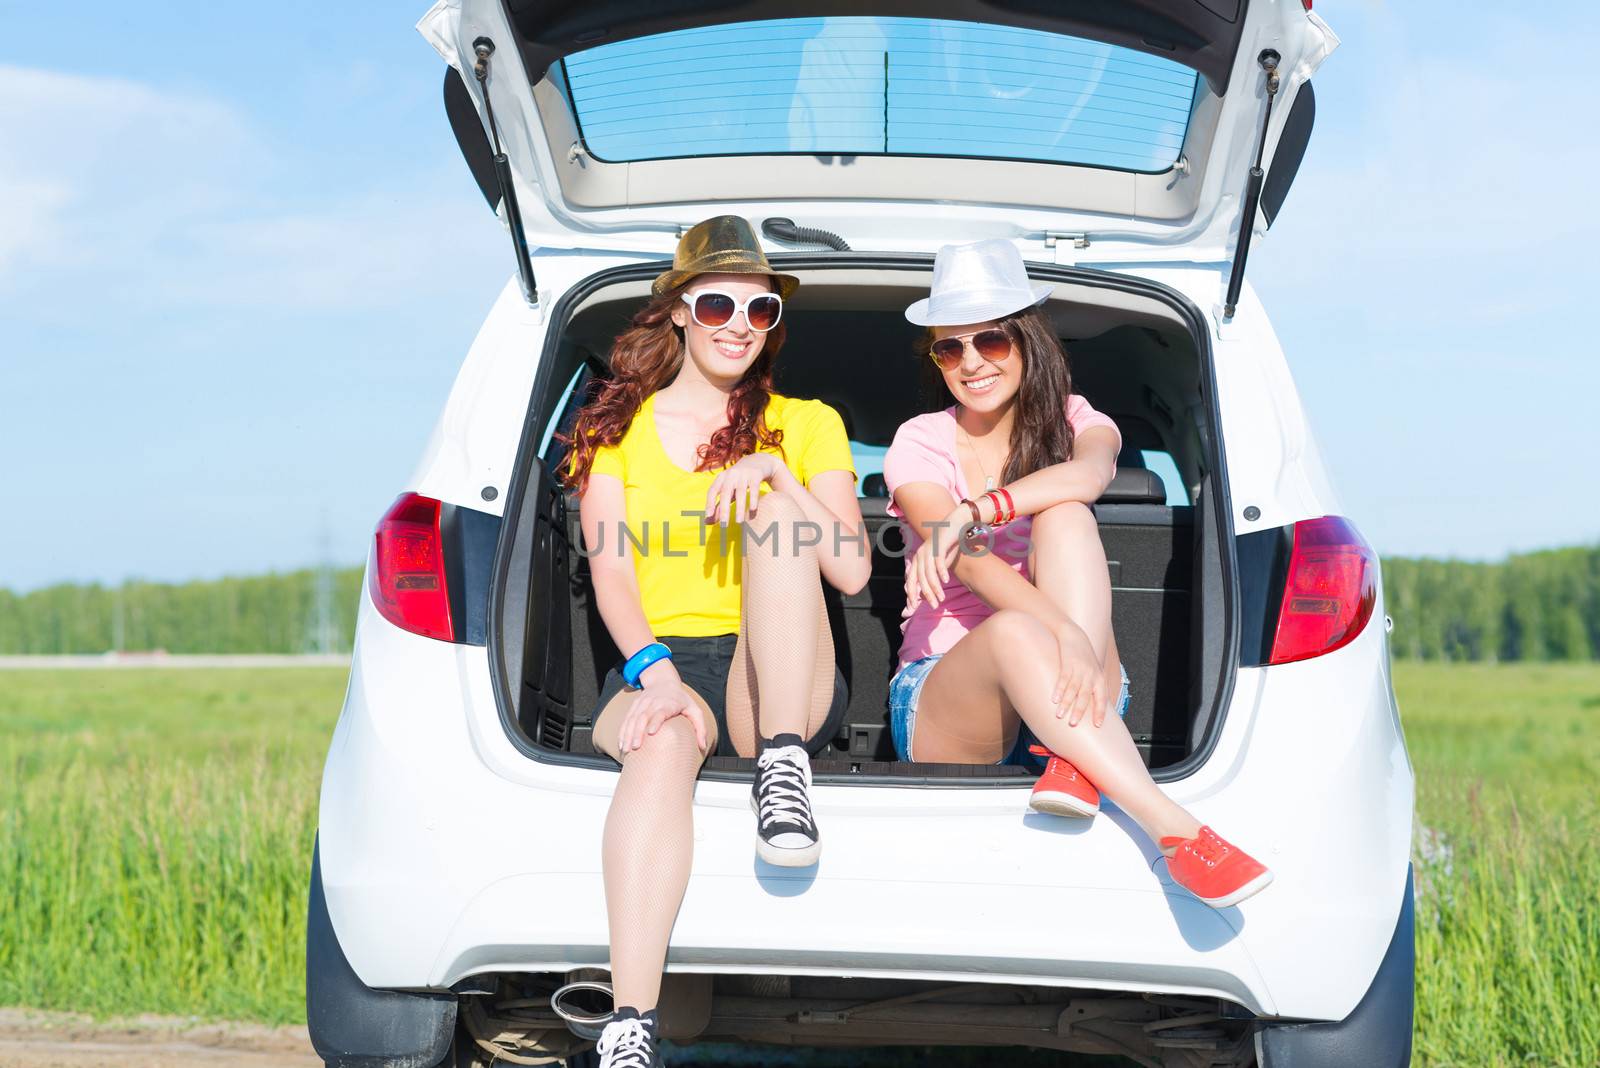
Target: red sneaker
[[1062, 790], [1214, 871]]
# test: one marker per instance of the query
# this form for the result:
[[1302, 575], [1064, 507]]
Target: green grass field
[[157, 828]]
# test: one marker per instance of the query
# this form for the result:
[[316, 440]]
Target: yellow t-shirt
[[689, 571]]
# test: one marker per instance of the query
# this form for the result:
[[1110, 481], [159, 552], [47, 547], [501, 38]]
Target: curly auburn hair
[[1041, 436], [644, 358]]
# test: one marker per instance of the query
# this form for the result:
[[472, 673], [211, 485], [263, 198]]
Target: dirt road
[[30, 1039]]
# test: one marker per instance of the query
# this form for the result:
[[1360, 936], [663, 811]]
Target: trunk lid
[[1119, 132]]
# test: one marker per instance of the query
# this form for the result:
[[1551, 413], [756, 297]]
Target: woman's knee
[[780, 530], [1016, 631], [672, 743], [1069, 519]]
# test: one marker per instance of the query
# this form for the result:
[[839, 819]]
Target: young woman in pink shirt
[[1020, 634]]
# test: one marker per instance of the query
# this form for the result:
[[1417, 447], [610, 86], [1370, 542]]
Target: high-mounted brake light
[[1329, 592], [407, 575]]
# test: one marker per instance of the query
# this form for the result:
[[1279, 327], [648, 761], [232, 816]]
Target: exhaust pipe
[[574, 1003]]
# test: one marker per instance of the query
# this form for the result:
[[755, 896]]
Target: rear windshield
[[880, 86]]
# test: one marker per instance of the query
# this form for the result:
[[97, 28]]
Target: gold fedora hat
[[724, 244]]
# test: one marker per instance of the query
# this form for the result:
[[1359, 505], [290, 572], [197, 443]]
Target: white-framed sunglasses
[[713, 309]]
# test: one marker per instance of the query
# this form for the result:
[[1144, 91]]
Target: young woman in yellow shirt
[[714, 509]]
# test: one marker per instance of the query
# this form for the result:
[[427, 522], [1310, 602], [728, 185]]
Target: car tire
[[1377, 1034]]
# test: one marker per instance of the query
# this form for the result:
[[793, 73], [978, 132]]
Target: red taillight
[[1329, 592], [407, 573]]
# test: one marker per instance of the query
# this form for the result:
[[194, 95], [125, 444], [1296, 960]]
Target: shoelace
[[1055, 762], [785, 777], [625, 1044], [1209, 849]]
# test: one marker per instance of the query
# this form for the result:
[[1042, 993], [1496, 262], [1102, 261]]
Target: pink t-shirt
[[924, 450]]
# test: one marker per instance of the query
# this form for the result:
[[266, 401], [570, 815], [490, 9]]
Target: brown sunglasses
[[993, 345]]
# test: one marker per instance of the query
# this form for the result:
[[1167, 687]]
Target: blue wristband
[[635, 665]]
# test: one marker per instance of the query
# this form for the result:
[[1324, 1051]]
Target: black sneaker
[[786, 832], [629, 1040]]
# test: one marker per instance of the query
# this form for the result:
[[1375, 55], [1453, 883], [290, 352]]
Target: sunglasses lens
[[947, 351], [713, 309], [763, 312], [992, 344]]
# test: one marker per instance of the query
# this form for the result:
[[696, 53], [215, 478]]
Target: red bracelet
[[1003, 513], [1011, 506]]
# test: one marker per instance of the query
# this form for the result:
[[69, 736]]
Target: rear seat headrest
[[1131, 485], [1135, 485]]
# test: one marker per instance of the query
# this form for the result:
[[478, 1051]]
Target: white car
[[457, 879]]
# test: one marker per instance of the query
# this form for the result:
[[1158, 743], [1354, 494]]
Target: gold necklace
[[988, 479]]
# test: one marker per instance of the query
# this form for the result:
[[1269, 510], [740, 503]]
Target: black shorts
[[703, 665]]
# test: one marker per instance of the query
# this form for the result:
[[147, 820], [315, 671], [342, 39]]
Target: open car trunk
[[1139, 353]]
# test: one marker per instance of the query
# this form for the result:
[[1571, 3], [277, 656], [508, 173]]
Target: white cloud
[[156, 198], [86, 162]]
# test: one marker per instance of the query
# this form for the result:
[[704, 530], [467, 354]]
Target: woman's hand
[[930, 566], [658, 702], [734, 492], [1080, 683]]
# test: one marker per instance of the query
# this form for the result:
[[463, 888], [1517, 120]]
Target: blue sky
[[240, 261]]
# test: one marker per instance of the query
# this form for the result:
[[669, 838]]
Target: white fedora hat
[[976, 283]]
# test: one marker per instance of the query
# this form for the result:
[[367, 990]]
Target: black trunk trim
[[1292, 142], [527, 461], [470, 538], [471, 137], [1263, 557], [1201, 34]]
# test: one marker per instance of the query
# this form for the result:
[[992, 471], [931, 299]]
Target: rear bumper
[[446, 853]]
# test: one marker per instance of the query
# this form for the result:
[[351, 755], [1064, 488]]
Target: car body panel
[[422, 832]]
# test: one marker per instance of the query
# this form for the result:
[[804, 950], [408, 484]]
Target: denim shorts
[[906, 686]]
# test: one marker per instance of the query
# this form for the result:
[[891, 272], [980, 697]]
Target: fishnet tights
[[646, 853], [782, 676], [649, 835]]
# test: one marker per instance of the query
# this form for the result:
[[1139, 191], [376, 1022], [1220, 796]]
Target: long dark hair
[[644, 358], [1040, 433]]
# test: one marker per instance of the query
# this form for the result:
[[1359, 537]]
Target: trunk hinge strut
[[483, 48], [1269, 60]]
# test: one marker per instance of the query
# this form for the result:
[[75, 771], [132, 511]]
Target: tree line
[[295, 612], [1532, 606]]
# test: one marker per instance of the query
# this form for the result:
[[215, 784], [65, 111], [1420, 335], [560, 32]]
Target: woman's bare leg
[[1006, 667], [1068, 564], [780, 682], [648, 846]]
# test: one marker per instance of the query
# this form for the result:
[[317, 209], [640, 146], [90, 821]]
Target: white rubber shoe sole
[[1249, 889], [1058, 803], [778, 856]]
